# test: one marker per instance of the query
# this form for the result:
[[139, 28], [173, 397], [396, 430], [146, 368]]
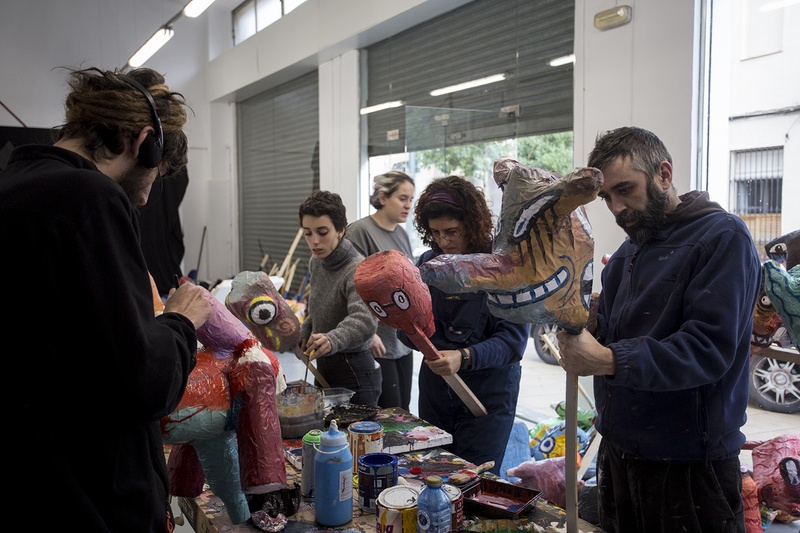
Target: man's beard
[[134, 182], [649, 221]]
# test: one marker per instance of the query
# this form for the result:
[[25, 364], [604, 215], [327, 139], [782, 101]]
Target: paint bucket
[[396, 510], [456, 505], [376, 472], [365, 437]]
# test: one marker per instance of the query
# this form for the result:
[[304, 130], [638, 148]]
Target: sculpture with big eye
[[541, 266], [255, 301]]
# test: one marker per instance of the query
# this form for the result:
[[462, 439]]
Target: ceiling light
[[196, 7], [563, 60], [611, 18], [777, 4], [152, 45], [381, 107], [468, 85]]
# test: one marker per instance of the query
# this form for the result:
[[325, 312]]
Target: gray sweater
[[334, 306]]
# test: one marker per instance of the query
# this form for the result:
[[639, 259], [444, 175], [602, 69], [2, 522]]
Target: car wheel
[[542, 350], [775, 385]]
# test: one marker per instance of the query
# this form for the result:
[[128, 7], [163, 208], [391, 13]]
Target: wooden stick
[[289, 276], [588, 457], [289, 255], [571, 446], [309, 366], [554, 350], [571, 452], [455, 382]]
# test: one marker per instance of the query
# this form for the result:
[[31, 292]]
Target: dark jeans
[[655, 497], [398, 375], [356, 371]]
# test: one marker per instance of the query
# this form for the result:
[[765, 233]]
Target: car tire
[[542, 350], [774, 384]]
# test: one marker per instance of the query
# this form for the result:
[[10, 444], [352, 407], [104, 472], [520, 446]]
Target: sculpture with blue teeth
[[541, 266]]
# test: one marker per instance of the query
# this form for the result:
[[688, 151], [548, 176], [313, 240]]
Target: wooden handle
[[312, 368], [455, 382]]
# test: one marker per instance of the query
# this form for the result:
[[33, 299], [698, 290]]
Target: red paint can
[[364, 437], [456, 505]]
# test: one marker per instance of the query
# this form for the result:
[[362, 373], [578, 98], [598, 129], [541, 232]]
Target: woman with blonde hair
[[381, 231]]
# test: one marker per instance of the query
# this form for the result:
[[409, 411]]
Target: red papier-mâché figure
[[395, 293], [227, 420]]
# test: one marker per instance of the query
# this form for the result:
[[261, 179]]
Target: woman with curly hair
[[452, 217]]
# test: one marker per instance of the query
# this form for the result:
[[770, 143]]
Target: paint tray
[[496, 499]]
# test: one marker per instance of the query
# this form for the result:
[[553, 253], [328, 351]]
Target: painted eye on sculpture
[[262, 311], [547, 445], [377, 309], [531, 212], [400, 299], [765, 301]]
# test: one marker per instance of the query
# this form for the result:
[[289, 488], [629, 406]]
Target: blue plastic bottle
[[433, 507], [333, 479]]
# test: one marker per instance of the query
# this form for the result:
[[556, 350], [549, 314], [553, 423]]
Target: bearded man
[[670, 351]]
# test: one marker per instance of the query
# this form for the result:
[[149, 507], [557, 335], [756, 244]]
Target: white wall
[[762, 84], [640, 74]]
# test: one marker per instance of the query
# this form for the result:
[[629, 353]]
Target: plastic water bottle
[[333, 479], [433, 507]]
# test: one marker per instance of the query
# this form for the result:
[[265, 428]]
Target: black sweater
[[92, 370]]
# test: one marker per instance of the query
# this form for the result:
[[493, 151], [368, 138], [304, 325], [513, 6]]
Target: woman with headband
[[452, 217], [381, 231]]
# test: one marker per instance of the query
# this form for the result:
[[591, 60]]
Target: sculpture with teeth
[[541, 266]]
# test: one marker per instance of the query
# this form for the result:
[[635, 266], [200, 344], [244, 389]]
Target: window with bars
[[757, 192]]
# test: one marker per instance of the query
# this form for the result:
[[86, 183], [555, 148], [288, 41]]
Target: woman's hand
[[377, 349], [317, 345], [447, 365]]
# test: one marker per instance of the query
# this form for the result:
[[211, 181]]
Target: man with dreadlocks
[[86, 425]]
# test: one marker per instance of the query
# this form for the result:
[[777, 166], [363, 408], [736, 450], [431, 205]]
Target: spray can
[[333, 479], [310, 443]]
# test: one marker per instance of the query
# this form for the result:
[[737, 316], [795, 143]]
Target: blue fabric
[[518, 450]]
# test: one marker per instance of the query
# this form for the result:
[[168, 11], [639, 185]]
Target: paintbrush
[[465, 476]]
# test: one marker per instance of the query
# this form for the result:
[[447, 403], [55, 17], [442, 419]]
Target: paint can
[[456, 505], [376, 472], [396, 510], [310, 444], [365, 437]]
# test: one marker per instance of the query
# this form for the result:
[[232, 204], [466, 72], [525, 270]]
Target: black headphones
[[153, 145]]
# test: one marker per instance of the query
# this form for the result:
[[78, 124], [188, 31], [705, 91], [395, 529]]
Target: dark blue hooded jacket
[[678, 314]]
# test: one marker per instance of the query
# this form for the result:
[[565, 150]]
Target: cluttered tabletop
[[482, 501]]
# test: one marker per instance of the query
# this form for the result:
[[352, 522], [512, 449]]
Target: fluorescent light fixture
[[468, 85], [196, 7], [563, 60], [611, 18], [381, 107], [152, 45], [777, 4]]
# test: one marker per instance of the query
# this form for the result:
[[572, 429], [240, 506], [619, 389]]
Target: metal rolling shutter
[[279, 167], [485, 37]]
